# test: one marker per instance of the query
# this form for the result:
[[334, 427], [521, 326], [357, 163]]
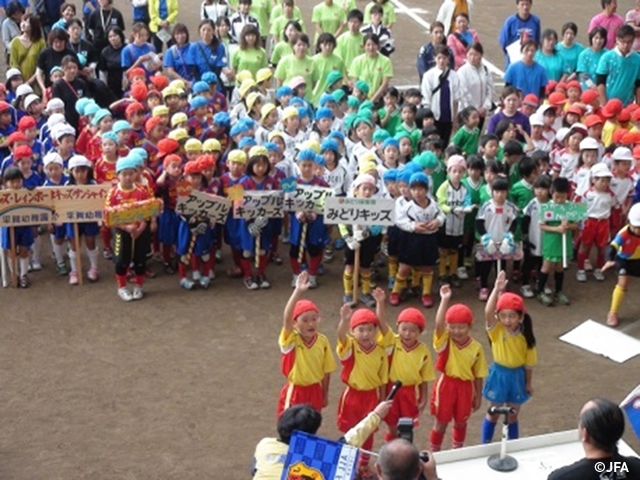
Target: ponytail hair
[[527, 330]]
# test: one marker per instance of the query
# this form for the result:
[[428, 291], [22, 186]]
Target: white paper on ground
[[598, 338]]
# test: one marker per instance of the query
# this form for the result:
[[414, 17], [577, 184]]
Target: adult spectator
[[271, 453], [110, 69], [51, 56], [208, 53], [568, 48], [399, 459], [297, 64], [163, 14], [11, 25], [519, 27], [618, 72], [601, 427], [82, 48], [178, 60], [460, 39], [70, 88], [48, 12], [527, 75], [328, 17], [99, 22], [250, 56], [427, 56], [139, 52], [440, 90], [25, 48], [548, 56], [633, 18], [214, 9], [448, 12], [372, 67], [510, 109], [609, 20], [590, 57], [241, 18], [476, 83]]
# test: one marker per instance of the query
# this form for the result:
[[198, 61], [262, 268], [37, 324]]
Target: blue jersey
[[32, 181], [181, 60], [63, 181]]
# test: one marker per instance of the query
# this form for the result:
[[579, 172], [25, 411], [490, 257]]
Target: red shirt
[[119, 196], [105, 171]]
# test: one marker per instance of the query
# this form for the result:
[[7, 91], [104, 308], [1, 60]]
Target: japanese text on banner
[[572, 212], [204, 206], [360, 211], [307, 198], [256, 204]]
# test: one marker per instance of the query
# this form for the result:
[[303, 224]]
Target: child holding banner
[[81, 173], [307, 361], [22, 238]]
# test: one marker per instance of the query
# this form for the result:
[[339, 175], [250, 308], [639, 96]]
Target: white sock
[[35, 248], [93, 257], [72, 260], [58, 253], [24, 266]]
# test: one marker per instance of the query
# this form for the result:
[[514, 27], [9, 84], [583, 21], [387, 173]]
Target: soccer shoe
[[562, 299], [368, 300], [462, 274], [107, 253], [125, 294], [93, 274], [394, 299], [347, 298], [62, 270], [294, 279], [250, 284], [73, 278], [138, 293], [205, 282], [23, 282], [548, 290], [526, 291], [545, 299], [263, 283], [598, 275], [427, 301], [313, 282], [275, 258], [612, 319], [196, 276], [187, 284], [483, 295], [581, 276]]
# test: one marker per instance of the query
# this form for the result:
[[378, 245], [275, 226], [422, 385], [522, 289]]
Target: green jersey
[[278, 25], [521, 194], [281, 50], [291, 66], [373, 70], [467, 140], [252, 59], [349, 46], [393, 122], [329, 17], [322, 66], [439, 175]]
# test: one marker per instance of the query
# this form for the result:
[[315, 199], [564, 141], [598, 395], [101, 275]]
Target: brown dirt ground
[[184, 384]]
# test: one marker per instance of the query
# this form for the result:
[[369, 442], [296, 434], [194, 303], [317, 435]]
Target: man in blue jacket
[[519, 27]]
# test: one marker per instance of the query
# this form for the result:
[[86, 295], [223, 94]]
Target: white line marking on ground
[[402, 8]]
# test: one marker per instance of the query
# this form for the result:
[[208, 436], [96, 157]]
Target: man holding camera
[[399, 459]]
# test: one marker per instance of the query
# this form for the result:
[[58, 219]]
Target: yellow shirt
[[465, 362], [363, 369], [412, 366], [510, 349], [607, 132], [305, 363], [269, 459]]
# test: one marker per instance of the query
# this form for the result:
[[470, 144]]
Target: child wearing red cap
[[29, 127], [461, 360], [23, 158], [307, 361], [513, 346], [134, 114], [167, 189], [410, 363], [365, 367], [155, 133]]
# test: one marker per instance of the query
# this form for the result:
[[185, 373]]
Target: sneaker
[[93, 275], [444, 280], [581, 276], [391, 282], [250, 283], [168, 269], [455, 281], [187, 283], [612, 319], [347, 298], [218, 256], [23, 282], [35, 266], [339, 244], [462, 274], [548, 291], [62, 270], [73, 278], [263, 283], [313, 282], [545, 299], [327, 257], [108, 254], [196, 276], [368, 300], [483, 295], [125, 294], [205, 282], [562, 299], [427, 301], [587, 265], [276, 258], [394, 299], [138, 293], [526, 291], [598, 275]]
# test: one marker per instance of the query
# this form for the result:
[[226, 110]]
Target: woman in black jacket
[[101, 20], [110, 64]]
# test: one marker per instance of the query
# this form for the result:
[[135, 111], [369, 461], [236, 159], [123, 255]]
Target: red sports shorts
[[297, 394], [451, 399]]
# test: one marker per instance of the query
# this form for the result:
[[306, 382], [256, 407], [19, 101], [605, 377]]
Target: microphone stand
[[503, 462]]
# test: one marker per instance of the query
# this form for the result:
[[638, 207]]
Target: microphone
[[392, 393], [500, 410]]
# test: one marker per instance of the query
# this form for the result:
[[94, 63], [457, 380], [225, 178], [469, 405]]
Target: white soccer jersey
[[409, 212], [581, 181], [497, 218], [599, 204], [532, 210], [450, 198], [565, 163], [622, 188], [338, 179]]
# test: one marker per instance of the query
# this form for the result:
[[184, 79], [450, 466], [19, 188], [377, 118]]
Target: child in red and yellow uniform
[[365, 368], [458, 391], [105, 172], [307, 361], [409, 363]]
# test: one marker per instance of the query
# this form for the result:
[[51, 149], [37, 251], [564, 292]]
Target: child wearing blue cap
[[219, 130], [198, 120], [291, 131], [390, 154], [321, 127], [103, 120]]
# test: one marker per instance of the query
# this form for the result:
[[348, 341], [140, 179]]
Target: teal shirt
[[570, 54], [588, 65], [622, 74], [555, 65]]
